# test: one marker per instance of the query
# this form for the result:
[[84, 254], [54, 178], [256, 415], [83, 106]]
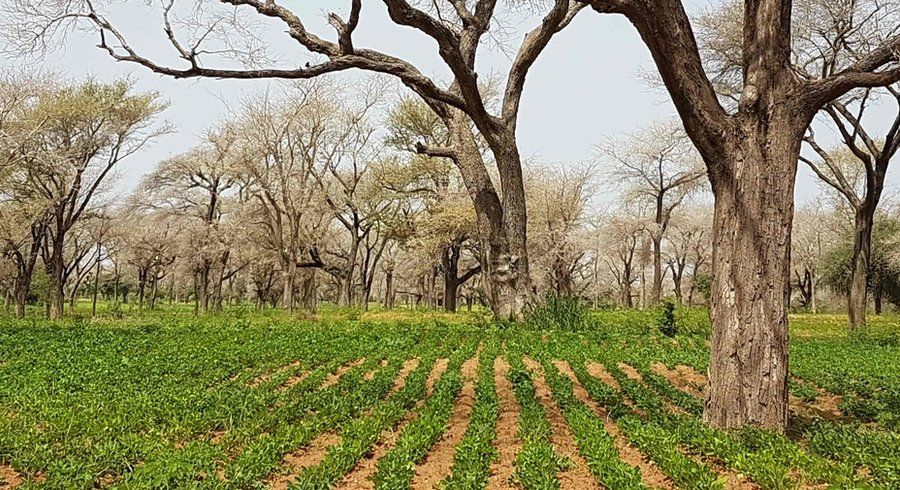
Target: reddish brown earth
[[262, 378], [507, 439], [439, 461], [9, 478], [650, 473], [334, 377], [408, 367], [293, 381], [682, 377], [577, 475], [302, 458], [360, 478], [599, 371], [440, 367]]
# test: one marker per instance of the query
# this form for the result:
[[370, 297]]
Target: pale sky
[[585, 88]]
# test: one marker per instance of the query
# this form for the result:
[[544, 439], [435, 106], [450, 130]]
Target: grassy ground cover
[[254, 400]]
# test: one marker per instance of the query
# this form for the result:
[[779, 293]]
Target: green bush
[[667, 324], [559, 312]]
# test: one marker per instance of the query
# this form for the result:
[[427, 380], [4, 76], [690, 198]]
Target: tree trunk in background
[[154, 290], [656, 288], [878, 296], [289, 274], [389, 288], [57, 281], [96, 282], [748, 373], [142, 285], [450, 265], [309, 291], [812, 293], [676, 278], [857, 299]]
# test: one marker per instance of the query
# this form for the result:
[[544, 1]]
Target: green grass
[[169, 400]]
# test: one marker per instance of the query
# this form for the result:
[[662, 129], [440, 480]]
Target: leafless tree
[[858, 174], [458, 28], [660, 165]]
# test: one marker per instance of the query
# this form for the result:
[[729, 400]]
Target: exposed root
[[577, 475], [650, 474]]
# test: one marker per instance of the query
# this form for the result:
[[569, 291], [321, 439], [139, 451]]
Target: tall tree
[[857, 172], [657, 164], [86, 131], [458, 28], [751, 151], [195, 186]]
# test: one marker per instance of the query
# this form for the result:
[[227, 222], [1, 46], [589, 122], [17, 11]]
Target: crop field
[[416, 401]]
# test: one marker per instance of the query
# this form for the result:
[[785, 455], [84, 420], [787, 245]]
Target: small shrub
[[667, 324], [559, 312]]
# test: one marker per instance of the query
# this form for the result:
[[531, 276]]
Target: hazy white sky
[[586, 87]]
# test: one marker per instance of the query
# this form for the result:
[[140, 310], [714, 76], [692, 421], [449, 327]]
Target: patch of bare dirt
[[369, 376], [507, 439], [439, 461], [360, 478], [630, 372], [679, 378], [826, 405], [408, 367], [334, 377], [293, 381], [577, 475], [266, 376], [650, 473], [304, 457], [599, 371], [440, 367], [733, 479], [9, 477]]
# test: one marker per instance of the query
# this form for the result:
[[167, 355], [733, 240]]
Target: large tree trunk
[[857, 299], [748, 373], [501, 225], [309, 291]]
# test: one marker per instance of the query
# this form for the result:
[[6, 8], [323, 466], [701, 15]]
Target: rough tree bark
[[751, 157]]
